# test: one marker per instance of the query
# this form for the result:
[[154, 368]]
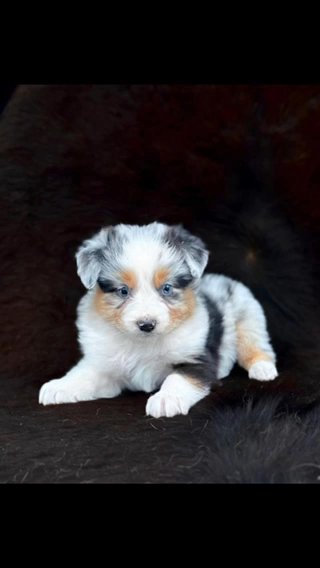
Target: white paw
[[165, 404], [263, 371], [61, 391]]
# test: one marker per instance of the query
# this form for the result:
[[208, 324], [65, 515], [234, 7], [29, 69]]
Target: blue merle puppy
[[151, 322]]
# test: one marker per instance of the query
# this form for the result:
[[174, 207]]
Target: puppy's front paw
[[60, 391], [165, 404], [263, 371]]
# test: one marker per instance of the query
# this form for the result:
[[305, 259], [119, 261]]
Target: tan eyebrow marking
[[129, 278], [160, 277]]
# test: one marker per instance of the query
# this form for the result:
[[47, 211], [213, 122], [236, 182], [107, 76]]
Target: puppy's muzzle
[[146, 325]]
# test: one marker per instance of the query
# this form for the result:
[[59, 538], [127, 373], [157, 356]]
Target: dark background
[[6, 92], [236, 164]]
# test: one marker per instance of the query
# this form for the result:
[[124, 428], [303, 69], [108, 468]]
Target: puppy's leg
[[176, 396], [183, 388], [82, 382], [254, 351]]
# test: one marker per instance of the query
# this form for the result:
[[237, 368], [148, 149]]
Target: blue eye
[[123, 292], [167, 289]]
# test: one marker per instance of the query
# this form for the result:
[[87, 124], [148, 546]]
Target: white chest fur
[[139, 363]]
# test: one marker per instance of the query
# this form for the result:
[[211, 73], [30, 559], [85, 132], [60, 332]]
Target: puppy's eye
[[123, 292], [167, 289]]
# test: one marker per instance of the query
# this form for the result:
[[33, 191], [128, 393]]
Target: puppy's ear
[[192, 248], [92, 256]]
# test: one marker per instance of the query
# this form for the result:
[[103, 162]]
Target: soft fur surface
[[74, 158], [112, 441]]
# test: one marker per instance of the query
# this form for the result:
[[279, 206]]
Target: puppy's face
[[143, 276]]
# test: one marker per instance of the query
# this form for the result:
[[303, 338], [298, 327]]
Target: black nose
[[146, 325]]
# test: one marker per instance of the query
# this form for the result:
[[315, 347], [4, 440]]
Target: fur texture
[[111, 441]]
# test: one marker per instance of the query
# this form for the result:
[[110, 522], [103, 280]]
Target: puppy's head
[[143, 277]]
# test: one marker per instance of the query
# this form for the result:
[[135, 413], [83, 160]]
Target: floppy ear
[[192, 248], [91, 257]]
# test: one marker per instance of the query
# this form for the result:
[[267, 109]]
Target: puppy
[[151, 321]]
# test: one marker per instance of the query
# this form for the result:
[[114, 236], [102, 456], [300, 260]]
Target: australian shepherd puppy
[[151, 322]]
